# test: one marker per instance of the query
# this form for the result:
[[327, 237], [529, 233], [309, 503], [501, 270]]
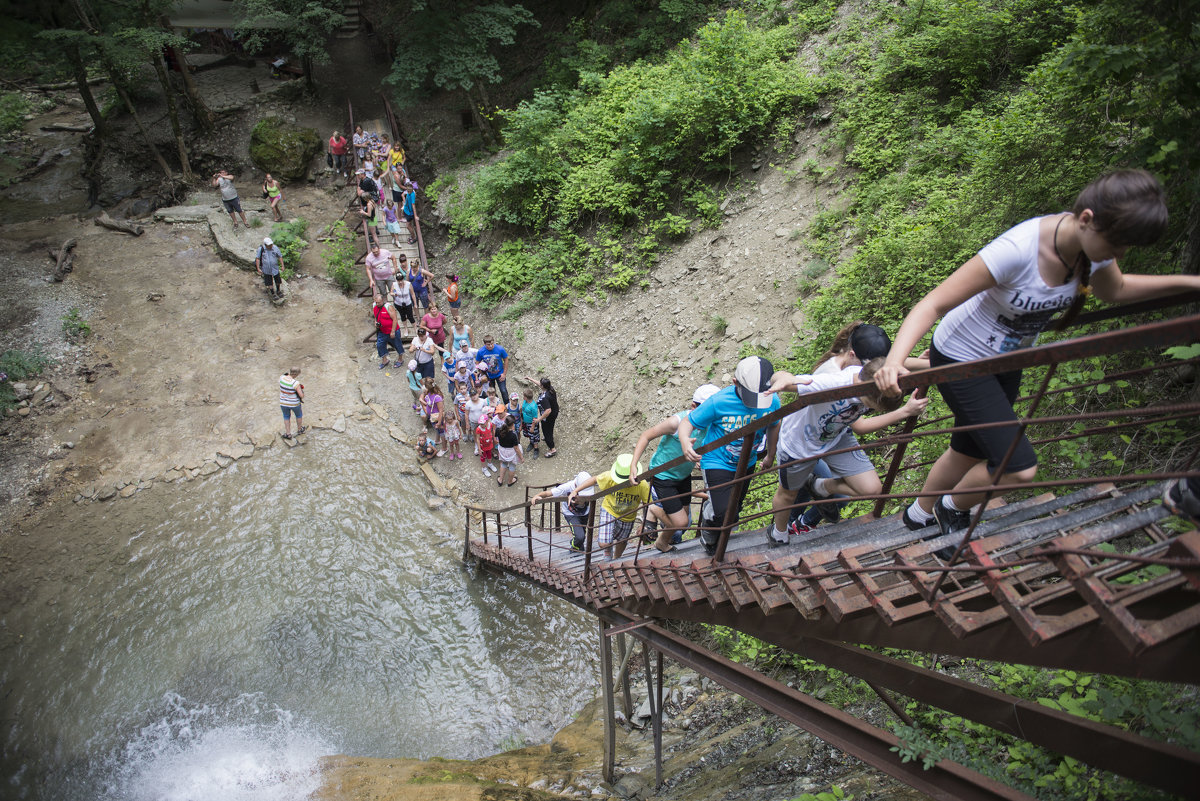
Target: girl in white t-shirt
[[1000, 301]]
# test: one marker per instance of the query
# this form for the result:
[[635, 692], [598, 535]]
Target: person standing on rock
[[273, 192], [435, 321], [229, 196], [496, 359], [337, 149], [269, 261], [425, 348], [291, 399]]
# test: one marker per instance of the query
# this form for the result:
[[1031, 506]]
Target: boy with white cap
[[728, 410], [576, 513], [618, 510], [671, 489]]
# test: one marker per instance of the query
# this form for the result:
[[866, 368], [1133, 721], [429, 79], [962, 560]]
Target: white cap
[[704, 392], [267, 241], [581, 477]]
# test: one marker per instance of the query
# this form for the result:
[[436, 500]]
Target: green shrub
[[601, 176], [75, 327], [13, 108], [339, 257], [15, 366], [289, 237]]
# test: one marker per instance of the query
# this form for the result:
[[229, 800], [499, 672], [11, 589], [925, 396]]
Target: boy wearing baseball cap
[[733, 407]]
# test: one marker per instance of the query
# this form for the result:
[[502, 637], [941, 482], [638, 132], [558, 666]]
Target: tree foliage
[[305, 25], [452, 46]]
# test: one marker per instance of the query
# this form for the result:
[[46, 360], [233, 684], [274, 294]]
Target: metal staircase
[[1084, 573]]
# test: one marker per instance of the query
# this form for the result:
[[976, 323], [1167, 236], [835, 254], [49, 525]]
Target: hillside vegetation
[[941, 123]]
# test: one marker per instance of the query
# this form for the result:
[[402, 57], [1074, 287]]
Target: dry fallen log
[[62, 126], [119, 225], [63, 259]]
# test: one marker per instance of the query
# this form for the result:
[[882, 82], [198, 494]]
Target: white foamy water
[[243, 752]]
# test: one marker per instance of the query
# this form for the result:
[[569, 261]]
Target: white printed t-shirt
[[1011, 314], [816, 429]]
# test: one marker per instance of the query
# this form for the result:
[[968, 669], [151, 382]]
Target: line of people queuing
[[998, 301]]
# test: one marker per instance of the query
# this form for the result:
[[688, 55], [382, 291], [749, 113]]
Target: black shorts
[[233, 206], [406, 312], [987, 399], [665, 488]]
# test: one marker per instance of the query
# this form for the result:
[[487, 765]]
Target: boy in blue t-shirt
[[530, 428], [723, 413], [496, 359]]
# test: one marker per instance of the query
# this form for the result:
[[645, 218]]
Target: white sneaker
[[485, 472], [441, 454]]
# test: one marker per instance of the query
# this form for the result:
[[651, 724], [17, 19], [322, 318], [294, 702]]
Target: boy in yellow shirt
[[618, 511]]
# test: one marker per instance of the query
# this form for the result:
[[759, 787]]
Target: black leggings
[[548, 431], [986, 399]]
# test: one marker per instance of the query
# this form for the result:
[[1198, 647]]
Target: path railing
[[1083, 426]]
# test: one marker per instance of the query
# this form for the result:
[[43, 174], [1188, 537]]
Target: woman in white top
[[1000, 301]]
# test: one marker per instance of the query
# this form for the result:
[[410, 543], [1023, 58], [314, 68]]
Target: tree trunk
[[81, 83], [200, 110], [166, 168], [173, 112], [485, 128], [307, 63]]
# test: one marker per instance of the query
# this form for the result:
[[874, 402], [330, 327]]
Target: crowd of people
[[997, 302], [469, 402]]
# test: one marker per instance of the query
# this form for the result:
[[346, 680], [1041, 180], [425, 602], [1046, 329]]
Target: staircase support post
[[610, 728]]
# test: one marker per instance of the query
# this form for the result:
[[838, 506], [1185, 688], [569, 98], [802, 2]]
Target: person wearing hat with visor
[[830, 427], [268, 261], [618, 511], [670, 490], [723, 413], [576, 514]]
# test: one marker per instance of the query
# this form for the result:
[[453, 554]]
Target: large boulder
[[282, 149]]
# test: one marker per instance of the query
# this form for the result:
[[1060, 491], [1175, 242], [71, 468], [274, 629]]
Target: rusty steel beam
[[943, 780], [1092, 648], [1162, 765]]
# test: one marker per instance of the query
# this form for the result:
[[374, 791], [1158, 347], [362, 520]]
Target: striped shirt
[[287, 391]]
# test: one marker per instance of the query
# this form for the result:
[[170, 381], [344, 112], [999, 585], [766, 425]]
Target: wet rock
[[282, 149], [185, 214], [435, 502], [128, 490], [632, 785], [208, 468], [367, 394], [23, 411], [223, 461], [380, 412], [108, 492], [397, 434], [339, 424], [172, 475], [291, 442]]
